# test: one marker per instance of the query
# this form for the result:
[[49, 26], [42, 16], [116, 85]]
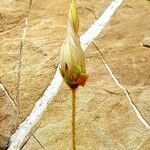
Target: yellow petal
[[73, 16]]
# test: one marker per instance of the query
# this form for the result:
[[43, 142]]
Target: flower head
[[72, 65]]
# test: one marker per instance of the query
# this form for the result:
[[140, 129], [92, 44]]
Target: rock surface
[[8, 117], [105, 119]]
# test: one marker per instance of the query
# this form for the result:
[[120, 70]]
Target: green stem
[[73, 119]]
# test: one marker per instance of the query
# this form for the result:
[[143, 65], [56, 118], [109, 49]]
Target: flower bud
[[72, 65]]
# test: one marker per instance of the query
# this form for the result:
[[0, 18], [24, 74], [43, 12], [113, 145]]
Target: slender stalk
[[73, 119]]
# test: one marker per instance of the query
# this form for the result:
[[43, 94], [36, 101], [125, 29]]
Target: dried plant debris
[[146, 42]]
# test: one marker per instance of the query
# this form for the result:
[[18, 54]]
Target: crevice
[[11, 25], [137, 111], [31, 134], [30, 5], [2, 18], [19, 76], [24, 143], [24, 30], [3, 118], [38, 142], [88, 9]]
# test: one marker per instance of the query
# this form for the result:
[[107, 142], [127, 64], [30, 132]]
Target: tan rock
[[8, 117], [105, 119]]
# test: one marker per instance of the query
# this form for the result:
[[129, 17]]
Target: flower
[[72, 64]]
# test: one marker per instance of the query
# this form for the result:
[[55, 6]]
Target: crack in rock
[[137, 112], [24, 30]]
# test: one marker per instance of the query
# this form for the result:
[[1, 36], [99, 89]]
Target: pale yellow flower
[[72, 65]]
